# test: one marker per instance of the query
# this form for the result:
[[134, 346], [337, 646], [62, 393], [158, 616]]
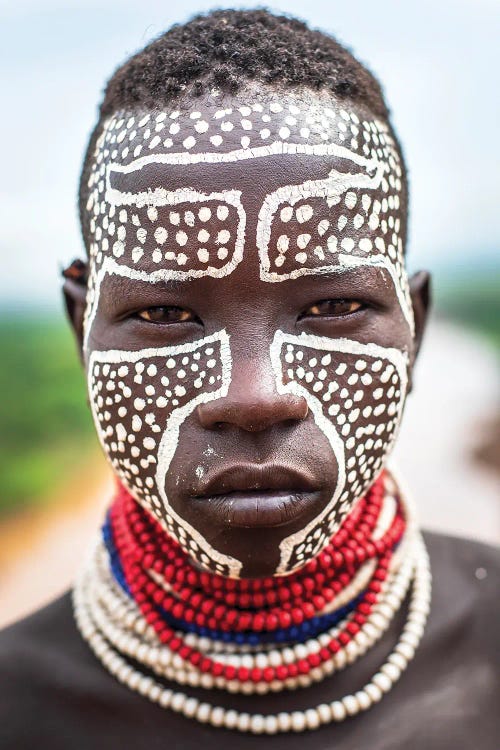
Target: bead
[[257, 724], [203, 712], [231, 719], [391, 670], [351, 704], [165, 698], [312, 718], [338, 710], [398, 660], [217, 716], [154, 693], [271, 724], [382, 681], [190, 707], [178, 701], [373, 691], [405, 650], [298, 721], [364, 700], [243, 722], [284, 721], [324, 713]]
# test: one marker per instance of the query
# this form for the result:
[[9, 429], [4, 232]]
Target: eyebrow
[[350, 273], [118, 288]]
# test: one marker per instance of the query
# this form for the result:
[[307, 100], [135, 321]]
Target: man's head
[[249, 331]]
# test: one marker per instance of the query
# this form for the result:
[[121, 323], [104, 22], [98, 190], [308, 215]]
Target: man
[[249, 332]]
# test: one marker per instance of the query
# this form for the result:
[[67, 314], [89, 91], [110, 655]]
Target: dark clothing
[[55, 694]]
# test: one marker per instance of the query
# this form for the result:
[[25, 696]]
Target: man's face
[[249, 328]]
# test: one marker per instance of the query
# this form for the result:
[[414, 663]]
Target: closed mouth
[[253, 495]]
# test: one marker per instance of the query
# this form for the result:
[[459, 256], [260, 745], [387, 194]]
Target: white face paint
[[356, 394], [152, 392], [355, 391]]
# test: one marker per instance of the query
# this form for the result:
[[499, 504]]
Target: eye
[[167, 315], [333, 308]]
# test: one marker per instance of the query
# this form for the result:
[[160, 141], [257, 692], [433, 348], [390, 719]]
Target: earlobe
[[75, 294], [420, 292]]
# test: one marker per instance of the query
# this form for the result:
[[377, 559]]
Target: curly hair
[[224, 50]]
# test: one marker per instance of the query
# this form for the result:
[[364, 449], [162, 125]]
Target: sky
[[437, 60]]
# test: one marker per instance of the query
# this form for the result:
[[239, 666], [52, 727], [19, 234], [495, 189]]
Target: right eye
[[166, 315]]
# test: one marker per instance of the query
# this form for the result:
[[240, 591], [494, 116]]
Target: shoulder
[[465, 603], [54, 693], [41, 664], [456, 667], [464, 569]]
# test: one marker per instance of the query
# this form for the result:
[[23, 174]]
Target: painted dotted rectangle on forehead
[[177, 237], [170, 231], [315, 224], [360, 389]]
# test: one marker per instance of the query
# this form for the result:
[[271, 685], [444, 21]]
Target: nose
[[252, 403]]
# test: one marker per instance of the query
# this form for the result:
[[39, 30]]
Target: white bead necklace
[[115, 630], [296, 721]]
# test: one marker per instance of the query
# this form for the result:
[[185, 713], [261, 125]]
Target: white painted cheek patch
[[139, 402], [356, 394]]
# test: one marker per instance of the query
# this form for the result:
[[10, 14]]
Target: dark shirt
[[54, 693]]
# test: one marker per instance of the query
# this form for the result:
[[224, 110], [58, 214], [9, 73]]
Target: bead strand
[[150, 655], [297, 721]]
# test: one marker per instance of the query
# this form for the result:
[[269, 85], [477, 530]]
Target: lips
[[251, 495]]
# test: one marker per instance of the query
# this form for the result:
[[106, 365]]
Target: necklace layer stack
[[138, 600]]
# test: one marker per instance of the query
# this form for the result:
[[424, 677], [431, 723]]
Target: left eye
[[334, 308], [165, 315]]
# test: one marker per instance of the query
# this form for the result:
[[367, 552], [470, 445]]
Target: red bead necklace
[[250, 605]]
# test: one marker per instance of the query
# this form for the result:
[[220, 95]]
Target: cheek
[[139, 401], [356, 393], [361, 393]]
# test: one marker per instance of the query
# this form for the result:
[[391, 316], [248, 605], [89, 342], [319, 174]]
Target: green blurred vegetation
[[45, 424], [472, 298]]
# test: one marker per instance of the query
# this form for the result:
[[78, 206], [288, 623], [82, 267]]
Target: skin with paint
[[248, 331]]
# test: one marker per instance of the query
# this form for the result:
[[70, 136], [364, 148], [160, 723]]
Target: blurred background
[[438, 63]]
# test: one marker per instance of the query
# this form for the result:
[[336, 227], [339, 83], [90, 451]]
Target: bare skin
[[254, 445]]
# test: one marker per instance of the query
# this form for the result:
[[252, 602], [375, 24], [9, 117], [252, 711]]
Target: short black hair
[[224, 50]]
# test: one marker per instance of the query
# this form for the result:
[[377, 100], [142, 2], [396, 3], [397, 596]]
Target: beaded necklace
[[139, 598]]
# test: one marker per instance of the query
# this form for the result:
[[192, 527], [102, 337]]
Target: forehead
[[299, 184]]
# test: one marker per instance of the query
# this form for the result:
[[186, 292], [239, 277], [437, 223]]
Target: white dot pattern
[[361, 393], [128, 136], [180, 240], [370, 218], [121, 233], [133, 397]]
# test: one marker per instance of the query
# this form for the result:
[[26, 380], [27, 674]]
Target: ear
[[75, 295], [420, 292]]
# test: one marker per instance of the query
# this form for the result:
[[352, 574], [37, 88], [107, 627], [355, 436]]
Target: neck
[[140, 598]]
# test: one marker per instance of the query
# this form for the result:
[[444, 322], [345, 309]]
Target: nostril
[[252, 415]]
